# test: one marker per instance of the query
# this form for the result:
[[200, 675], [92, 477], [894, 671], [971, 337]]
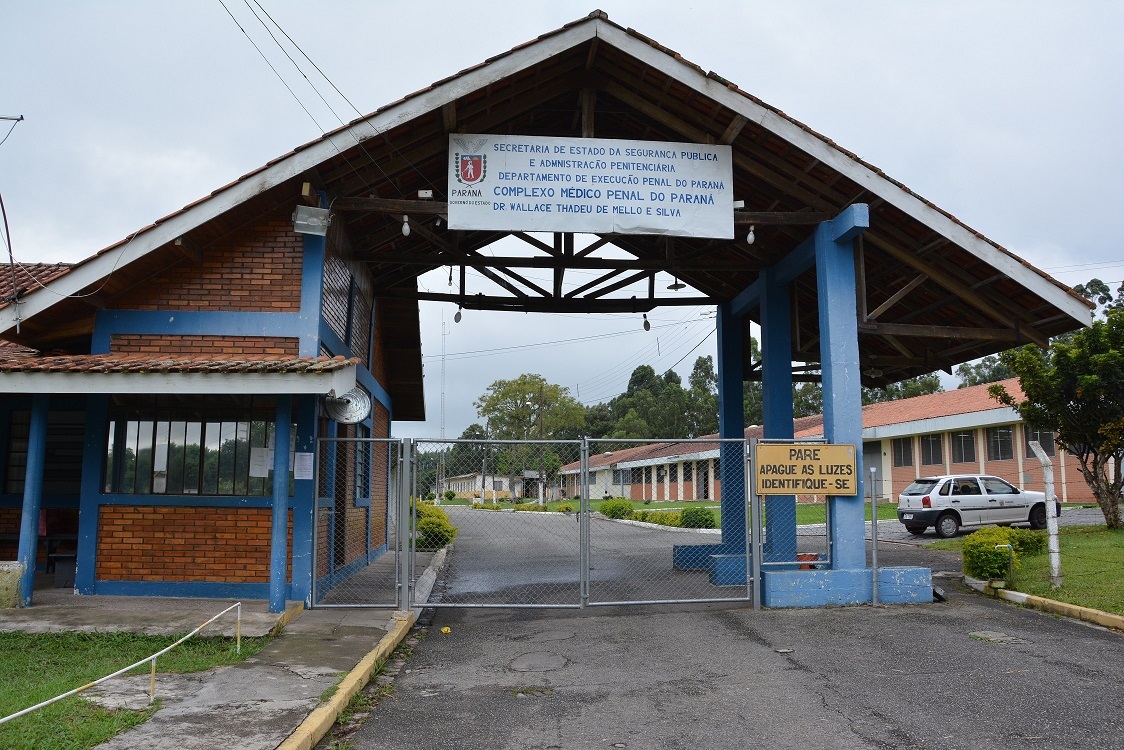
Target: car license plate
[[907, 516]]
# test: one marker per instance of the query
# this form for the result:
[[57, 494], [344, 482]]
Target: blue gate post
[[842, 389], [776, 379], [32, 495], [726, 561], [731, 425], [279, 539]]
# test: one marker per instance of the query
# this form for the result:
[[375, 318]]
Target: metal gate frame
[[401, 488]]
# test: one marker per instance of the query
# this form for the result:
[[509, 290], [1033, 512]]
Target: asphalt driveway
[[966, 673]]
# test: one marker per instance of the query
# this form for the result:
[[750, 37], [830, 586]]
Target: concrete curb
[[317, 724], [291, 613], [1095, 616]]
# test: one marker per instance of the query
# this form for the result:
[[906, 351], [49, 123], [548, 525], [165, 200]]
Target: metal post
[[873, 541], [32, 495], [754, 525], [405, 533], [1051, 515], [279, 537], [583, 521]]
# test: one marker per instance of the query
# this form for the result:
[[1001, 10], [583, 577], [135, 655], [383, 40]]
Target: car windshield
[[920, 487]]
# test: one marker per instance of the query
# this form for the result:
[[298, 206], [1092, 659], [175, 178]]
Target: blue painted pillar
[[32, 495], [279, 541], [842, 390], [731, 424], [95, 455], [776, 377], [304, 505]]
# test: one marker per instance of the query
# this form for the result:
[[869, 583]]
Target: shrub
[[565, 508], [450, 496], [527, 506], [640, 515], [618, 508], [697, 518], [983, 560], [433, 529], [1028, 542], [665, 517]]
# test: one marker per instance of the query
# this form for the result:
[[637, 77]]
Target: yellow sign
[[806, 469]]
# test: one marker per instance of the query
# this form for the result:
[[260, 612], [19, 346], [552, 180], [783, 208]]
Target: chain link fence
[[530, 523], [518, 535], [356, 536]]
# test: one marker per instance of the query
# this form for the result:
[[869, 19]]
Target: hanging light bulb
[[749, 238], [457, 317], [647, 325], [677, 285], [406, 226]]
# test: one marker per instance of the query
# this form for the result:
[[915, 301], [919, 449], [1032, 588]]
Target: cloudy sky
[[1006, 114]]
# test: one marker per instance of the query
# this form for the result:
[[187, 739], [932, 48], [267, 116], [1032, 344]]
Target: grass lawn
[[806, 513], [1091, 560], [36, 667]]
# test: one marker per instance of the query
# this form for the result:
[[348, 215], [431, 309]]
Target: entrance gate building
[[186, 377]]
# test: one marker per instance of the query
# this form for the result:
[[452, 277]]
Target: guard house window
[[687, 466], [903, 451], [963, 446], [1000, 444], [169, 445], [1044, 437], [674, 472], [931, 453], [62, 470]]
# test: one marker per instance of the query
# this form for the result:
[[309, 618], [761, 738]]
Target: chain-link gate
[[529, 523], [789, 531], [356, 545]]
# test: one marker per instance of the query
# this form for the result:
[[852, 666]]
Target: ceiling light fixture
[[749, 238], [647, 325], [675, 287], [406, 226], [457, 317]]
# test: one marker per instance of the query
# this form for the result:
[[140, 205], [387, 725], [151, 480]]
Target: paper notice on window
[[302, 466], [261, 461]]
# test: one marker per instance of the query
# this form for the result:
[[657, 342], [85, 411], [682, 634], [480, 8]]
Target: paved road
[[723, 676]]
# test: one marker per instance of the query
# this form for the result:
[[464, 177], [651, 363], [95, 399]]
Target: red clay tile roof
[[945, 404], [112, 363], [949, 403], [600, 16], [28, 277], [12, 349]]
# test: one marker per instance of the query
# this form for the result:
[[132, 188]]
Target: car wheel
[[915, 530], [947, 526], [1038, 517]]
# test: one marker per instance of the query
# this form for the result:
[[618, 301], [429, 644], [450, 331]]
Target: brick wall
[[10, 524], [256, 270], [213, 346], [171, 543]]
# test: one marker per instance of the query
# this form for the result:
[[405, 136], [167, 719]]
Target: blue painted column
[[842, 390], [95, 454], [731, 424], [304, 505], [278, 547], [776, 377], [32, 495]]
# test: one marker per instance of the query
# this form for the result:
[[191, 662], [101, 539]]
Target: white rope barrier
[[152, 673]]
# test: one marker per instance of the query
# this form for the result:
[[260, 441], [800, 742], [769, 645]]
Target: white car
[[952, 501]]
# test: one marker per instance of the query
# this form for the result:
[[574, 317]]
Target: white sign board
[[594, 185]]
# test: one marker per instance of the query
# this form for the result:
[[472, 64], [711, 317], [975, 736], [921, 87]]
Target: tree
[[1077, 389], [631, 427], [990, 369], [922, 385], [528, 407]]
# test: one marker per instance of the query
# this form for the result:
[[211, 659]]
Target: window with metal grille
[[1044, 437], [1000, 443], [171, 445], [931, 450], [963, 446], [903, 451]]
